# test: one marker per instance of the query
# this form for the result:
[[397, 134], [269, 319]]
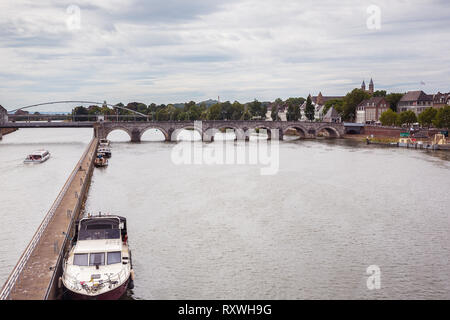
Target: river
[[200, 231]]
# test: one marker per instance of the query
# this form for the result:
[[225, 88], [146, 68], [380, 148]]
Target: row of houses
[[370, 110]]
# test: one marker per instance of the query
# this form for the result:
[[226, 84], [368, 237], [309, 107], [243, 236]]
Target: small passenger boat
[[38, 156], [99, 265]]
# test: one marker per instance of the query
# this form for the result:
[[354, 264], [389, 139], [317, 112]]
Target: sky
[[173, 51]]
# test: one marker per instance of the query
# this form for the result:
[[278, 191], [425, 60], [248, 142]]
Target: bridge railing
[[12, 279]]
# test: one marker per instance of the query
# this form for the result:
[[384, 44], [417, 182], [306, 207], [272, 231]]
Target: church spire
[[363, 86], [371, 86]]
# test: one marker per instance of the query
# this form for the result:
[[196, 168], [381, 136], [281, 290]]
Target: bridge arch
[[300, 131], [161, 129], [130, 134], [329, 131], [174, 134], [259, 126], [209, 132]]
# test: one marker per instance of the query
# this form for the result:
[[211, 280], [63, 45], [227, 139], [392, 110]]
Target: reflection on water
[[224, 231]]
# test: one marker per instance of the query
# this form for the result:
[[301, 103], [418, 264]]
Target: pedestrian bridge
[[207, 129]]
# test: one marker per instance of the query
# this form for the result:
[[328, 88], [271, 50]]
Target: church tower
[[363, 86], [320, 100], [371, 87]]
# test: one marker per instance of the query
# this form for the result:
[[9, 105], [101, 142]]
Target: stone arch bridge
[[207, 129]]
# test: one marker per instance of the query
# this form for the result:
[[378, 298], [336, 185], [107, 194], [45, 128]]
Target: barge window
[[80, 259], [114, 257], [97, 259]]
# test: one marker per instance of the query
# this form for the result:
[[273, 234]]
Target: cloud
[[174, 50]]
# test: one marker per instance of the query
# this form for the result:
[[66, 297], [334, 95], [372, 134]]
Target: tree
[[274, 113], [246, 115], [309, 109], [238, 110], [442, 119], [393, 99], [80, 112], [293, 112], [427, 116], [257, 109], [337, 104], [351, 101], [407, 117], [138, 106], [215, 112], [379, 93], [389, 118]]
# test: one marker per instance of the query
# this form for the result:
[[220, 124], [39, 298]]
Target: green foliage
[[407, 117], [427, 116], [379, 93], [274, 113], [257, 109], [80, 112], [389, 118], [337, 104], [293, 112], [214, 112], [238, 110], [442, 119], [351, 101], [246, 115], [393, 99], [309, 109]]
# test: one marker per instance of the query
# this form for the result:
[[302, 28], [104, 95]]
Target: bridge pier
[[135, 136]]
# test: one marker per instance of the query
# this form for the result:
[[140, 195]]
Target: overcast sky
[[177, 50]]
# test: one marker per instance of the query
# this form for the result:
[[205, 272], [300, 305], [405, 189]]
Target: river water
[[225, 231]]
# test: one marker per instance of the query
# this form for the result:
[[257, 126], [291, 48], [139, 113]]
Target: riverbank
[[5, 131]]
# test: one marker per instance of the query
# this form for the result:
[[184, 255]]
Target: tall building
[[371, 87], [370, 110], [416, 101]]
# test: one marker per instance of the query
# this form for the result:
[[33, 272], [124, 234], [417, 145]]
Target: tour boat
[[105, 150], [100, 161], [104, 142], [38, 156], [98, 266]]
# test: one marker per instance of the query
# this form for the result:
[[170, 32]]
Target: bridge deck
[[36, 277], [46, 124]]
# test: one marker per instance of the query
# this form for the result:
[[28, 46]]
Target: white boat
[[99, 264], [106, 151], [104, 143], [38, 156]]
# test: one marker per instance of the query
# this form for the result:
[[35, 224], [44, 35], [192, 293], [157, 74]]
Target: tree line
[[439, 118], [188, 111]]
